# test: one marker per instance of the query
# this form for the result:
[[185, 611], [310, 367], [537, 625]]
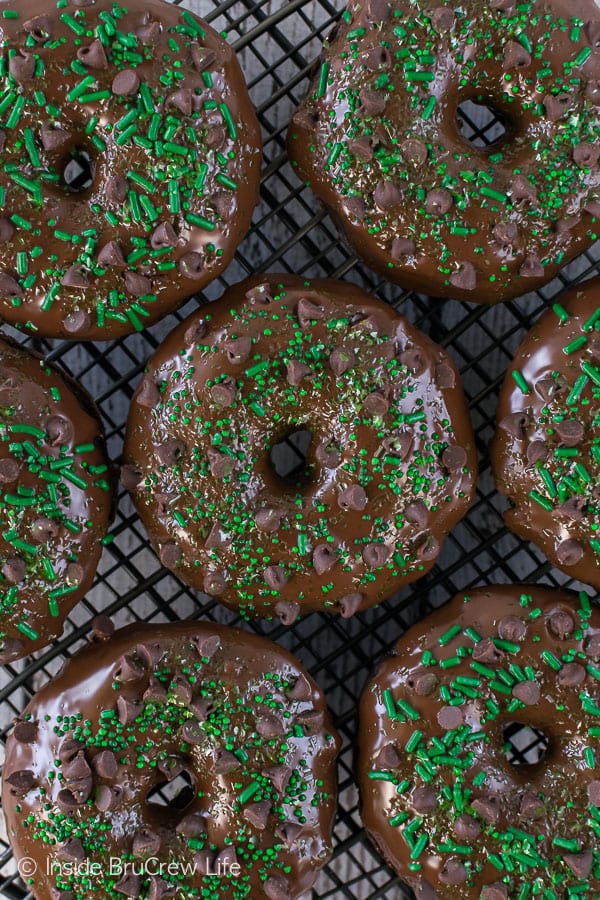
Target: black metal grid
[[279, 40]]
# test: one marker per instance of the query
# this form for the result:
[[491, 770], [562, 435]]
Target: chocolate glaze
[[159, 701], [390, 470], [529, 655], [56, 496], [157, 101], [378, 140], [546, 451]]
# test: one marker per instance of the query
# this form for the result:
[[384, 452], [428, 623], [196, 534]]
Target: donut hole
[[78, 171], [524, 745], [482, 124], [288, 457], [175, 795]]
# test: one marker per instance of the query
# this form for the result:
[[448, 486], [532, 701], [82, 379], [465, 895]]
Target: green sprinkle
[[520, 381]]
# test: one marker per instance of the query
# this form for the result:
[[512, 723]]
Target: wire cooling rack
[[278, 42]]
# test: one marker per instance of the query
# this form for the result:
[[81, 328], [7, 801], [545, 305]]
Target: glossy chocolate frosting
[[546, 451], [157, 102], [233, 712], [390, 469], [439, 797], [379, 142], [56, 494]]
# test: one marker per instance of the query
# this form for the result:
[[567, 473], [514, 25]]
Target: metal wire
[[279, 42]]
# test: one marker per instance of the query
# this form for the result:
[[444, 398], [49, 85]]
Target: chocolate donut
[[440, 798], [390, 469], [378, 140], [131, 157], [546, 450], [233, 714], [55, 500]]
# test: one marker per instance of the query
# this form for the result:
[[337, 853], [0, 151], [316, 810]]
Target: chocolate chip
[[217, 539], [453, 872], [592, 32], [7, 229], [224, 393], [372, 103], [312, 720], [111, 256], [299, 688], [214, 584], [72, 850], [221, 464], [149, 34], [569, 553], [386, 196], [126, 83], [532, 267], [170, 453], [216, 138], [53, 138], [181, 100], [276, 888], [522, 190], [239, 350], [25, 732], [377, 10], [536, 451], [258, 814], [488, 808], [131, 477], [193, 825], [9, 470], [506, 234], [454, 458], [592, 92], [260, 293], [275, 577], [288, 832], [145, 843], [171, 767], [93, 56], [422, 682], [129, 884], [485, 651], [129, 669], [580, 864], [39, 27], [279, 776], [561, 624], [445, 376], [424, 799], [288, 611], [137, 285], [585, 155], [450, 717], [438, 202], [516, 424], [375, 556], [593, 792], [208, 645], [531, 807], [328, 454], [570, 432], [571, 675], [361, 148], [68, 750], [428, 547], [191, 265], [496, 891], [202, 57], [148, 394], [156, 691], [181, 689], [376, 404], [341, 360], [402, 247], [20, 782], [466, 828], [512, 628], [128, 710], [352, 497], [413, 360], [388, 758], [268, 519], [465, 279], [22, 66], [414, 151], [350, 604], [14, 569], [324, 558], [105, 764], [157, 888], [225, 762], [442, 18], [591, 646], [67, 802], [77, 321], [116, 189], [56, 894], [296, 371], [59, 430], [269, 725], [516, 56], [163, 236], [528, 692], [9, 287]]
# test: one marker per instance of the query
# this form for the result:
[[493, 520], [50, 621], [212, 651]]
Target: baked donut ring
[[378, 139], [390, 469], [130, 163], [56, 499], [546, 450], [233, 713], [440, 798]]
